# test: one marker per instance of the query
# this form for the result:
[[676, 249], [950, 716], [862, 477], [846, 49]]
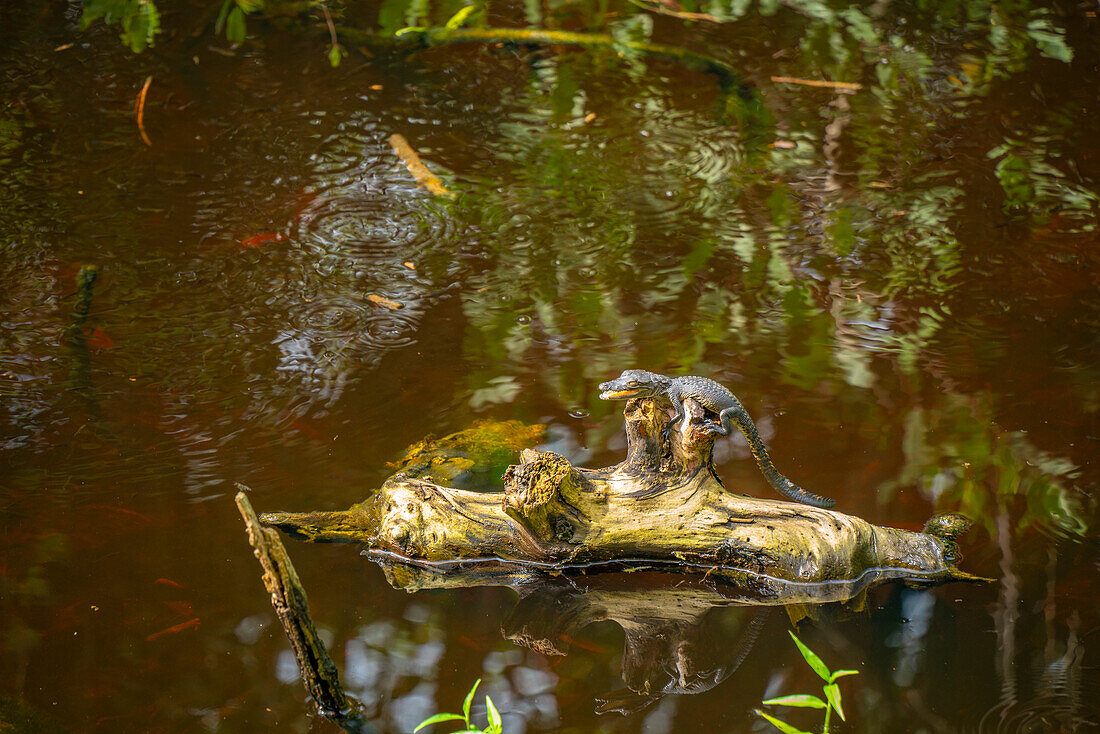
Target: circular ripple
[[390, 330], [362, 222], [331, 317]]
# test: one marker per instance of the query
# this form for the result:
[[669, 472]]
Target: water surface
[[900, 283]]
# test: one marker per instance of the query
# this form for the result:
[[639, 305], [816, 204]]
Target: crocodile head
[[634, 384]]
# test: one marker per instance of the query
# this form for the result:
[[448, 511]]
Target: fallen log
[[663, 507]]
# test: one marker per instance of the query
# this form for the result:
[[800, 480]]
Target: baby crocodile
[[713, 397]]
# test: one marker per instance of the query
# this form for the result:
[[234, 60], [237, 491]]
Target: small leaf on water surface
[[99, 339], [419, 171], [259, 240], [383, 301]]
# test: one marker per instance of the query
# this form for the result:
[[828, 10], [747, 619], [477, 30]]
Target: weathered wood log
[[663, 506]]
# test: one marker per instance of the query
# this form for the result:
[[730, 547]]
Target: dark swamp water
[[899, 282]]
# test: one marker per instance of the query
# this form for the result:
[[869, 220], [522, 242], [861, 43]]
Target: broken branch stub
[[551, 498]]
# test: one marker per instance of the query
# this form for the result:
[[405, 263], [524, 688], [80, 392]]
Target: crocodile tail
[[785, 486]]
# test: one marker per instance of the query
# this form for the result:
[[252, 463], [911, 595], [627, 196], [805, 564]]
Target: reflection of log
[[681, 635], [290, 603], [671, 642], [663, 505]]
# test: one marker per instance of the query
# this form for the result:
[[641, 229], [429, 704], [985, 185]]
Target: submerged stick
[[421, 173], [840, 86], [139, 110], [663, 9], [288, 597]]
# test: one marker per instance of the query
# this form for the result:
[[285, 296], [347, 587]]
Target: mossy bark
[[663, 506]]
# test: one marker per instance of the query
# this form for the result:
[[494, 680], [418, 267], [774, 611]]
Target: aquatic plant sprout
[[495, 723], [831, 690]]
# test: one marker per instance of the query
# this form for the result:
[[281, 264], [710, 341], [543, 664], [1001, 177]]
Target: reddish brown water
[[900, 284]]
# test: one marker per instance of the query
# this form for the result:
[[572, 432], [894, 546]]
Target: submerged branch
[[288, 597]]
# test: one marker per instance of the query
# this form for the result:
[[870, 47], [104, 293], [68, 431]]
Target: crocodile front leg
[[678, 404]]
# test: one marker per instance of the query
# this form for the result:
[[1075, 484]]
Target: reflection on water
[[899, 283]]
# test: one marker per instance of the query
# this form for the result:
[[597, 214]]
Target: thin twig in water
[[661, 9], [420, 172], [331, 25], [843, 86], [139, 110]]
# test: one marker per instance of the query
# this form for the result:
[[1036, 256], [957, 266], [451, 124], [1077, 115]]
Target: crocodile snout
[[611, 391]]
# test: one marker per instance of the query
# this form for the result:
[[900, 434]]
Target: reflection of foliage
[[831, 240], [1031, 182], [962, 460], [138, 20], [23, 592]]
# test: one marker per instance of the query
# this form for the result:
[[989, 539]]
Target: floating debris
[[382, 301], [139, 110], [840, 86], [420, 172]]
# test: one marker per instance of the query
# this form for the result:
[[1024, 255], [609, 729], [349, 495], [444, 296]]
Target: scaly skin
[[717, 399]]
